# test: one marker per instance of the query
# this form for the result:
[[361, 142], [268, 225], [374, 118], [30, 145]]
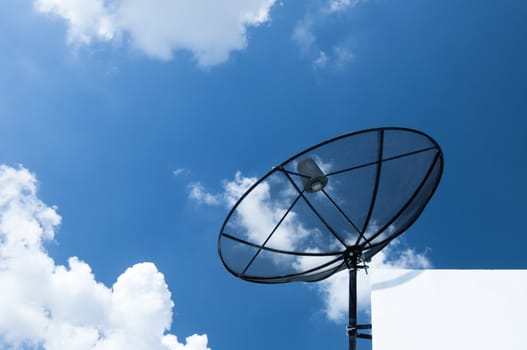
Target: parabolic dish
[[346, 197]]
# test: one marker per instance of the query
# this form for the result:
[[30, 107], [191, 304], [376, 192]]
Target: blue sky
[[119, 112]]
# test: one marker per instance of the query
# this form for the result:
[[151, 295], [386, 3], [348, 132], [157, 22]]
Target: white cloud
[[87, 19], [337, 55], [233, 190], [341, 5], [342, 56], [64, 307], [303, 34], [209, 29], [194, 342], [320, 61], [179, 171], [200, 195]]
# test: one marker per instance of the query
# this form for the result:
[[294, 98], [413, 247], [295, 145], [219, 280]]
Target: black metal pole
[[352, 312]]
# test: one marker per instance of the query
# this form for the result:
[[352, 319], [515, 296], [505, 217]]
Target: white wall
[[449, 309]]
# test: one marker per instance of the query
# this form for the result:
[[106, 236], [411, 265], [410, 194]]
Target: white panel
[[449, 309]]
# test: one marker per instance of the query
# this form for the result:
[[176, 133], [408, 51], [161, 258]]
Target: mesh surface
[[379, 181]]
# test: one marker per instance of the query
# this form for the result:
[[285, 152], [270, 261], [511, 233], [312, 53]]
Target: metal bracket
[[352, 331]]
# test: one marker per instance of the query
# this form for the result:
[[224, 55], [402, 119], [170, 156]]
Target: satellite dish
[[331, 207]]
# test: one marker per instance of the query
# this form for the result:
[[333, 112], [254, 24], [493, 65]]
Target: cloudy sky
[[129, 127]]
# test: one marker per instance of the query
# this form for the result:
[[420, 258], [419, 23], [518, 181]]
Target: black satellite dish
[[331, 207]]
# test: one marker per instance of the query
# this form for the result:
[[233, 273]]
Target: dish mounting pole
[[353, 265]]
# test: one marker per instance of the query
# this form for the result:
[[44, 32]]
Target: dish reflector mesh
[[350, 195]]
